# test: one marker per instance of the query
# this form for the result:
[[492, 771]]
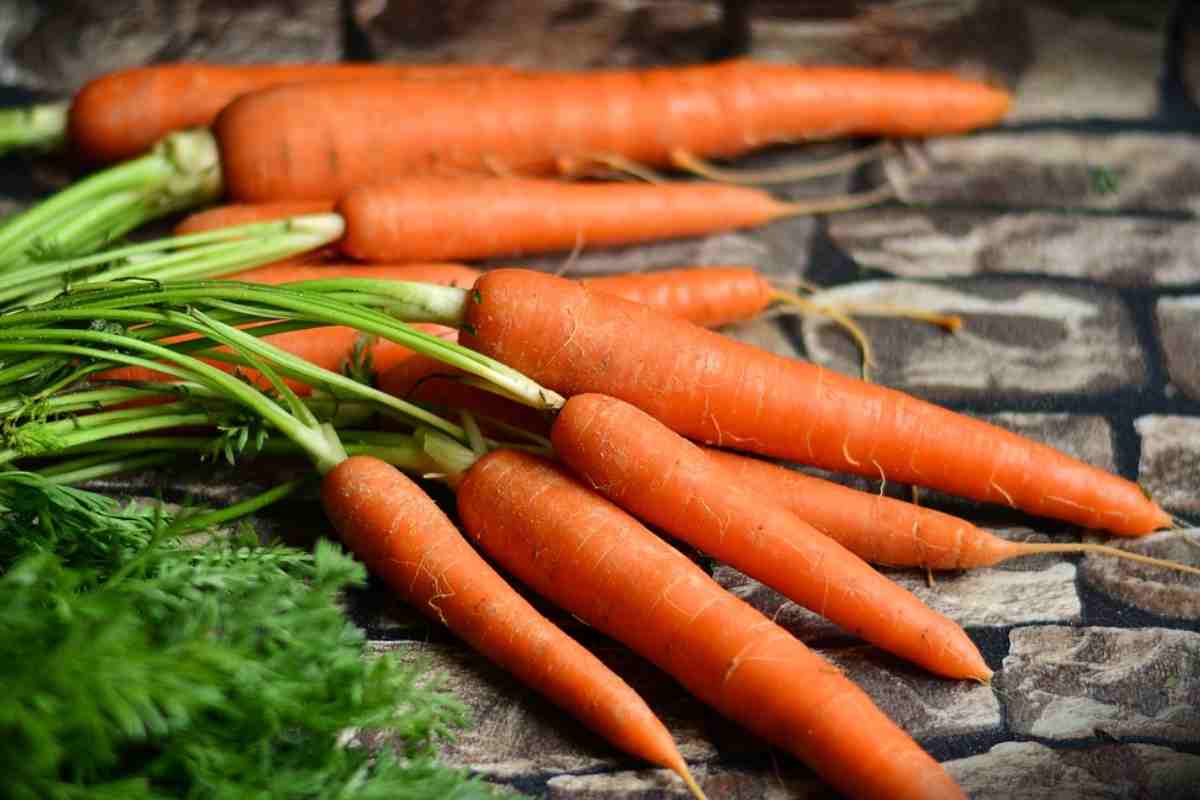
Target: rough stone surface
[[1120, 250], [979, 598], [1019, 338], [555, 34], [1179, 331], [60, 45], [1069, 683], [515, 732], [1170, 462], [1151, 588], [786, 782], [1033, 771], [1052, 169]]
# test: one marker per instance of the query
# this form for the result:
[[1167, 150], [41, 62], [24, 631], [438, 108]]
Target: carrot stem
[[101, 465], [182, 171], [38, 127]]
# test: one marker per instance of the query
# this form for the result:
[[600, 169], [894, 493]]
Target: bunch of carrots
[[585, 410]]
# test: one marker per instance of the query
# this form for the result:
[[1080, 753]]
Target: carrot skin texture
[[402, 536], [719, 391], [594, 560], [440, 219], [880, 529], [245, 213], [709, 296], [662, 478], [123, 113], [547, 124]]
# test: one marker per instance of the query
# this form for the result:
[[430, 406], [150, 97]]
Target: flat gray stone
[[545, 34], [1179, 332], [516, 733], [1068, 683], [1161, 591], [932, 243], [1052, 169], [1086, 65], [977, 598], [1019, 339], [1033, 771], [1169, 468], [788, 781], [59, 46]]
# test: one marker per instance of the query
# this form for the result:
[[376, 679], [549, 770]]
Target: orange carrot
[[321, 139], [714, 389], [436, 218], [662, 478], [595, 561], [118, 115], [402, 536], [246, 213], [887, 531]]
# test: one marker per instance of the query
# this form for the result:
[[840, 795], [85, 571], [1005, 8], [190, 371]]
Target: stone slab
[[788, 781], [1124, 171], [56, 47], [1179, 331], [1151, 588], [1169, 468], [945, 242], [1019, 339], [978, 598], [1033, 771], [1064, 683]]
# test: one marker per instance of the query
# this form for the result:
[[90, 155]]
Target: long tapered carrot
[[321, 139], [118, 115], [891, 532], [594, 560], [662, 478], [245, 213], [442, 218], [721, 391], [404, 538]]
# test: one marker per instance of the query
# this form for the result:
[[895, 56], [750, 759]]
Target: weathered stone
[[515, 732], [1179, 331], [1169, 593], [1033, 771], [57, 46], [1070, 683], [1019, 338], [788, 781], [1035, 169], [986, 39], [547, 34], [1170, 464], [1121, 251], [978, 598]]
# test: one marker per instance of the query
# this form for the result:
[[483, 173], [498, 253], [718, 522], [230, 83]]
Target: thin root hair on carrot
[[820, 168], [1031, 548]]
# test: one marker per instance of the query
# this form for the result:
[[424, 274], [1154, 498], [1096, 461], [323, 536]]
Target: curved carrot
[[402, 536], [720, 391], [321, 139], [594, 560], [662, 478], [437, 218], [887, 531], [118, 115]]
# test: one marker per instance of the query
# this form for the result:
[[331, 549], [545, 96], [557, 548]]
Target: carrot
[[404, 538], [440, 218], [887, 531], [720, 391], [118, 115], [321, 139], [660, 477], [595, 561], [246, 213]]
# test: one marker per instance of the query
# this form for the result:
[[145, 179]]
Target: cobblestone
[[1179, 330], [1170, 465]]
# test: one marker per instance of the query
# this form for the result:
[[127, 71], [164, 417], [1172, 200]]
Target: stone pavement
[[1067, 239]]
